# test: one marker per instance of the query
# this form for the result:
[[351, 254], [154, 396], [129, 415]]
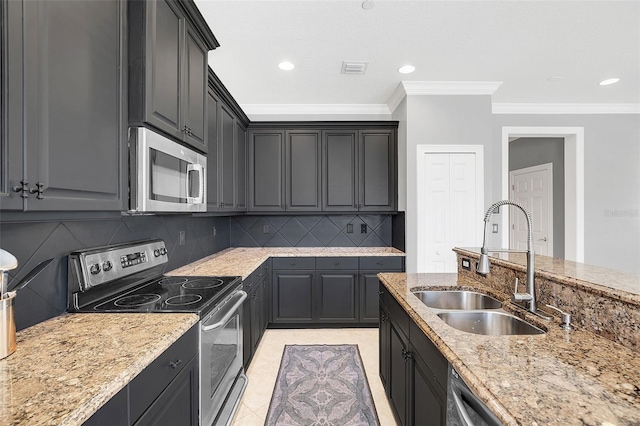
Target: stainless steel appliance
[[463, 407], [164, 175], [128, 278]]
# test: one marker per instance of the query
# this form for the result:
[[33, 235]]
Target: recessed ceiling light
[[609, 81], [368, 4], [286, 66], [555, 78], [406, 69]]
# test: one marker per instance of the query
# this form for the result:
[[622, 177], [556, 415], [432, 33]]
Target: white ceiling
[[520, 43]]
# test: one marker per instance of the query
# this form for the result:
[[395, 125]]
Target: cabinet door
[[398, 374], [429, 400], [213, 198], [369, 297], [195, 91], [303, 164], [75, 127], [114, 412], [247, 349], [178, 403], [337, 296], [240, 182], [226, 158], [163, 68], [384, 342], [11, 105], [256, 316], [265, 304], [339, 170], [377, 189], [292, 297], [266, 170]]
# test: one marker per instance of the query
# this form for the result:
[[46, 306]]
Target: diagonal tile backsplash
[[35, 241], [311, 231]]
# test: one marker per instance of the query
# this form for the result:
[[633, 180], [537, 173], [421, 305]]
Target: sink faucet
[[484, 265]]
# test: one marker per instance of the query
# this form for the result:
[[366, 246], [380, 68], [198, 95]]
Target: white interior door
[[446, 208], [533, 188]]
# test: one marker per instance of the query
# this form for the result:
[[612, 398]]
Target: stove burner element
[[185, 299], [173, 281], [203, 283], [136, 300]]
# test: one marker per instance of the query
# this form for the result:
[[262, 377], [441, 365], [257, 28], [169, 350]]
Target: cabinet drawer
[[429, 353], [382, 263], [294, 263], [329, 263], [145, 388]]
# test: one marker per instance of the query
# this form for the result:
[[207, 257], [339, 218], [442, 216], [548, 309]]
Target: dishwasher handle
[[460, 393], [226, 312]]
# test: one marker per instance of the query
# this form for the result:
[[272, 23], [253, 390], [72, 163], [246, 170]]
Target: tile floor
[[264, 367]]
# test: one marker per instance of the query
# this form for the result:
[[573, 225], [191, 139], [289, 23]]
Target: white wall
[[612, 181], [440, 120]]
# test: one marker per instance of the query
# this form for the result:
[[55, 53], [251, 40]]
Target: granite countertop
[[243, 261], [621, 285], [66, 368], [558, 378]]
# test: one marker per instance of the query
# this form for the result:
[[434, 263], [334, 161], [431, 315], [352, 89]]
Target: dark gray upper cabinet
[[72, 92], [227, 156], [226, 159], [168, 45], [213, 199], [266, 170], [377, 170], [240, 162], [303, 170], [340, 170]]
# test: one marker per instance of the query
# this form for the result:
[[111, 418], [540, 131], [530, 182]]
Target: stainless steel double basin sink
[[474, 312]]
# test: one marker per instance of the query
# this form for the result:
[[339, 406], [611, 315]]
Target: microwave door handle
[[227, 314], [200, 198]]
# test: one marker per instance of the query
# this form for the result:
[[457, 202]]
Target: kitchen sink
[[457, 300], [492, 323]]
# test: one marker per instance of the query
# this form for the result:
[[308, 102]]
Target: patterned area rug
[[321, 385]]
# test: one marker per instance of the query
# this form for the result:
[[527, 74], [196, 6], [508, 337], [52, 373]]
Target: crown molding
[[316, 109], [539, 108], [406, 88]]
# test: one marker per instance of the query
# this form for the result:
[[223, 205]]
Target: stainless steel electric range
[[128, 278]]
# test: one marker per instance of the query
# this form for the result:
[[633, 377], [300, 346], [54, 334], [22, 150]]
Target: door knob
[[543, 239]]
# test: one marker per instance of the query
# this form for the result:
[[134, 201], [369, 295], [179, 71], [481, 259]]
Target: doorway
[[573, 138], [450, 201]]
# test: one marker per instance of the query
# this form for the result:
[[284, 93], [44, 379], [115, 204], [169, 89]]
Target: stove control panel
[[98, 266]]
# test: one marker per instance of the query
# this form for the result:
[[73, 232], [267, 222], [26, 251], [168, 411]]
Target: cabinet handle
[[336, 263], [175, 364], [380, 292], [38, 190], [24, 188], [292, 263]]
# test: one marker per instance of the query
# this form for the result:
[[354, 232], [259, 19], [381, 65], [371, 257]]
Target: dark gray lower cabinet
[[292, 296], [337, 296], [412, 370], [164, 393], [255, 310], [369, 298]]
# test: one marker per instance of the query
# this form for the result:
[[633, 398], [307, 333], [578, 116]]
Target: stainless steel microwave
[[164, 175]]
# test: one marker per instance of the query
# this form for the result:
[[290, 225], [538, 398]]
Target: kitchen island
[[66, 368], [557, 378]]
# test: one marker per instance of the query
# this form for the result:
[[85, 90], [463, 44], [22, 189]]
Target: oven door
[[220, 355], [165, 176]]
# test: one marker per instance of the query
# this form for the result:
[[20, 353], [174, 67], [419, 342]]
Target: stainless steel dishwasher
[[463, 407]]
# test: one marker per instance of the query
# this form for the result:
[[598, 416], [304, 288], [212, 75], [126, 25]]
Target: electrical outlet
[[265, 229], [215, 232], [494, 228], [349, 228], [363, 228], [182, 238], [466, 264]]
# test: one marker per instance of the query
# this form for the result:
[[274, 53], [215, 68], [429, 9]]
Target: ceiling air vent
[[354, 67]]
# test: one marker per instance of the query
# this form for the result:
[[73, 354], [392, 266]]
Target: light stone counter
[[243, 261], [66, 368], [559, 378]]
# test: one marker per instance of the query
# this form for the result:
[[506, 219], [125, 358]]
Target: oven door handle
[[240, 296]]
